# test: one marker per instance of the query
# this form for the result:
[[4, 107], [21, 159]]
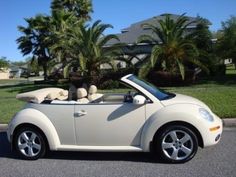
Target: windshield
[[159, 94]]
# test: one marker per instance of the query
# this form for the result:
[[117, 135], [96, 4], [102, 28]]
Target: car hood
[[183, 99]]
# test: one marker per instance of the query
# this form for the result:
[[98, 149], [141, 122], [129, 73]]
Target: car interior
[[93, 97], [80, 96]]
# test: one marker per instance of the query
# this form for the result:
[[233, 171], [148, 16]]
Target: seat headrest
[[92, 89], [81, 93]]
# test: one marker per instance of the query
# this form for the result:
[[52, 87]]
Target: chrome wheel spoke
[[174, 155], [36, 146], [186, 150], [22, 146], [167, 145], [185, 138], [30, 152], [33, 137], [173, 136], [25, 137]]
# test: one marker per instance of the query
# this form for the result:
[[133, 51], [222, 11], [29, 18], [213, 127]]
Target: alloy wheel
[[29, 143], [177, 145]]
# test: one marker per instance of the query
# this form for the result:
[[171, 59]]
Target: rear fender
[[38, 119]]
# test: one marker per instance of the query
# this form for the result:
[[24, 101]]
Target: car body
[[173, 125]]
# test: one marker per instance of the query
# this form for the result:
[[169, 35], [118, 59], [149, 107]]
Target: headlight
[[206, 115]]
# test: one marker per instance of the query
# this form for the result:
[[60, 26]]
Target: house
[[17, 71], [130, 36], [228, 61], [4, 73]]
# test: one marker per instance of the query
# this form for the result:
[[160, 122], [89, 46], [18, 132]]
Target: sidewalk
[[230, 122]]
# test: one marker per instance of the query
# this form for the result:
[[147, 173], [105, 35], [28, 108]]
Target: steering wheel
[[128, 98]]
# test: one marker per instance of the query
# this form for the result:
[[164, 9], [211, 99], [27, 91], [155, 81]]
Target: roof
[[130, 34], [16, 68]]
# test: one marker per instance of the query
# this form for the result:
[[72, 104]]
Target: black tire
[[31, 148], [178, 151]]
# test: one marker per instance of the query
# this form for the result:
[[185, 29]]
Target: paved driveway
[[215, 161]]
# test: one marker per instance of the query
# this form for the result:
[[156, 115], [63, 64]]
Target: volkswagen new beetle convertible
[[144, 119]]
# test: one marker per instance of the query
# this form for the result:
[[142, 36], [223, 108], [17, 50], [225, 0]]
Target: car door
[[118, 124]]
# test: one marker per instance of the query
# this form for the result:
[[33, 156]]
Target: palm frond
[[181, 68], [145, 69]]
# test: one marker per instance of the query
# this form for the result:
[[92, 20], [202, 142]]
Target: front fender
[[40, 120], [180, 112]]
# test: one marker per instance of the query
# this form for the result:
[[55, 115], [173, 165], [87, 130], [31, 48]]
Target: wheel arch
[[182, 123], [18, 127], [34, 118], [174, 114]]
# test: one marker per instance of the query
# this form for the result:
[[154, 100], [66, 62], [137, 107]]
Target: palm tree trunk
[[45, 69]]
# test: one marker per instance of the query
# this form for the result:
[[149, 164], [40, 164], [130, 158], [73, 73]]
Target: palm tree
[[173, 49], [88, 43], [80, 8], [61, 23], [33, 40]]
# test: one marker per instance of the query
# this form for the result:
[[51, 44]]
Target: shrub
[[109, 84], [166, 79]]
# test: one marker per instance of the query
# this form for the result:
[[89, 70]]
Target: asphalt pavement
[[216, 161]]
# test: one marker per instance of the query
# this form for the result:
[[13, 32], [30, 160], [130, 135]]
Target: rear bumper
[[10, 132]]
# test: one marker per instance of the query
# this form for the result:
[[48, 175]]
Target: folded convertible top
[[38, 96]]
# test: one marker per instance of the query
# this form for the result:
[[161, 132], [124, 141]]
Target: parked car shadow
[[5, 152], [5, 147]]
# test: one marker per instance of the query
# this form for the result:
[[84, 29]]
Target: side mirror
[[139, 100]]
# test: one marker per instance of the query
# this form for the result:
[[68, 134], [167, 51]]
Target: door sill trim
[[100, 148]]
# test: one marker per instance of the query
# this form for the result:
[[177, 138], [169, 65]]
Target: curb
[[3, 127], [230, 122]]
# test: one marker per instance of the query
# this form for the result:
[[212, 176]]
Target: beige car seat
[[93, 95], [81, 96]]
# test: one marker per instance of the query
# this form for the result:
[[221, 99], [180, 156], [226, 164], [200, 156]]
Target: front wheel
[[29, 143], [176, 144]]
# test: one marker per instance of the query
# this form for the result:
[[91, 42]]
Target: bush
[[109, 84], [166, 79], [219, 70]]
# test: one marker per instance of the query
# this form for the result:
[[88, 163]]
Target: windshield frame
[[153, 90]]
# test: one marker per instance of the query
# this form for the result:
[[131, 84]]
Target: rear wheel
[[176, 144], [29, 143]]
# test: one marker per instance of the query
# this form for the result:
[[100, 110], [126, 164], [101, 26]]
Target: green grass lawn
[[9, 105], [12, 81], [220, 98], [231, 70]]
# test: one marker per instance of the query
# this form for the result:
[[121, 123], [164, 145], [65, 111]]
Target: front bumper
[[214, 132]]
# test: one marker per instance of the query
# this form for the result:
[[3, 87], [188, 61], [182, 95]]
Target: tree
[[66, 16], [80, 8], [34, 40], [173, 50], [4, 63], [60, 27], [32, 65], [88, 46], [227, 43], [202, 35], [202, 38]]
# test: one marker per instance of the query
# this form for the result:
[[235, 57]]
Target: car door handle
[[80, 113]]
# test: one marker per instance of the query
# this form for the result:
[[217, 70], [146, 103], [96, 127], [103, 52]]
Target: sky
[[119, 13]]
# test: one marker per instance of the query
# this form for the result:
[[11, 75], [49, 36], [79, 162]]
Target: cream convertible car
[[146, 119]]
